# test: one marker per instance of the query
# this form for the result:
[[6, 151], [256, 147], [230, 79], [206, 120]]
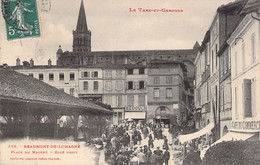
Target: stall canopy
[[189, 137], [230, 136]]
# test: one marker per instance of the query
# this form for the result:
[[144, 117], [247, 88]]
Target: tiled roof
[[20, 86]]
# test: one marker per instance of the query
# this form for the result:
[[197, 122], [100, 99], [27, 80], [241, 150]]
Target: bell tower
[[82, 36]]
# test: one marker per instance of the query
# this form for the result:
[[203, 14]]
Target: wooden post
[[76, 120], [26, 116]]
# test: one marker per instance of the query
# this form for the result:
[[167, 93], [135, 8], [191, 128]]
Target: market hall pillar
[[76, 120], [26, 117]]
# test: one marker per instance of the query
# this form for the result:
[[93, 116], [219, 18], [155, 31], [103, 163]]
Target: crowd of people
[[132, 143]]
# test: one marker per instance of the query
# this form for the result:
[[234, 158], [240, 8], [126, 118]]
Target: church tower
[[81, 36]]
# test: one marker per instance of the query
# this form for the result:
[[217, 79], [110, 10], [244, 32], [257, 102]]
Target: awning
[[230, 136], [134, 115], [189, 137]]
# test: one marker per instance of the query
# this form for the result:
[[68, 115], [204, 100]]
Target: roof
[[82, 22], [251, 6], [23, 87], [232, 7], [146, 52]]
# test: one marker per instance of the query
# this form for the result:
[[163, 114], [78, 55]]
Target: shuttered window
[[130, 100], [85, 85], [247, 100], [141, 100]]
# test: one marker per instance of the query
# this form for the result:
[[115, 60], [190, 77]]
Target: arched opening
[[162, 116], [225, 130]]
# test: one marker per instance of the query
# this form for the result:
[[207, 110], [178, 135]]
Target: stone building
[[121, 78]]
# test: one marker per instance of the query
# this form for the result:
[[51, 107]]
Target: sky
[[113, 27]]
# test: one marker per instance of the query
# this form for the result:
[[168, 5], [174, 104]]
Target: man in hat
[[166, 156], [134, 160]]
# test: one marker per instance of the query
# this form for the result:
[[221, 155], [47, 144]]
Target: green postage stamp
[[21, 18]]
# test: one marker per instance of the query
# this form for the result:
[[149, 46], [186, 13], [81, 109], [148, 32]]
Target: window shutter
[[82, 74], [126, 85], [145, 84], [247, 98], [92, 74], [137, 84], [134, 85]]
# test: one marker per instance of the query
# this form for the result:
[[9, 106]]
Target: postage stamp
[[21, 18]]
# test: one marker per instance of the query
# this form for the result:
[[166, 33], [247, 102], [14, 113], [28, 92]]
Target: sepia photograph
[[129, 82]]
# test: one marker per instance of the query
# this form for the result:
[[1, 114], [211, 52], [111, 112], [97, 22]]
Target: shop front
[[135, 113], [162, 116]]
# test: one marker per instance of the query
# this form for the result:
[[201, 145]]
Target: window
[[243, 55], [95, 74], [40, 76], [108, 85], [141, 99], [141, 84], [156, 80], [108, 73], [86, 74], [141, 70], [30, 74], [109, 99], [247, 98], [168, 80], [85, 85], [236, 63], [72, 91], [156, 93], [51, 76], [119, 85], [236, 106], [119, 73], [130, 100], [61, 76], [130, 71], [130, 85], [72, 76], [253, 48], [168, 92], [119, 100], [95, 85]]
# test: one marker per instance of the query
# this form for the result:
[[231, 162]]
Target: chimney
[[31, 63], [17, 62], [49, 62]]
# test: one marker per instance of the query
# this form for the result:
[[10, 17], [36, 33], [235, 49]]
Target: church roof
[[82, 22]]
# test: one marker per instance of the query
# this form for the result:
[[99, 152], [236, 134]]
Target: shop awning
[[134, 115], [230, 136], [189, 137]]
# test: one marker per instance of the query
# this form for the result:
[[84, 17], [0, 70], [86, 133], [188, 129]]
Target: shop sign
[[136, 108], [255, 125]]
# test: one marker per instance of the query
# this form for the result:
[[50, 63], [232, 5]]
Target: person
[[113, 159], [134, 160], [165, 143], [150, 141], [142, 158], [145, 132], [159, 154], [166, 156], [120, 158], [153, 159]]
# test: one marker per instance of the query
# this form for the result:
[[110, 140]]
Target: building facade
[[245, 75]]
